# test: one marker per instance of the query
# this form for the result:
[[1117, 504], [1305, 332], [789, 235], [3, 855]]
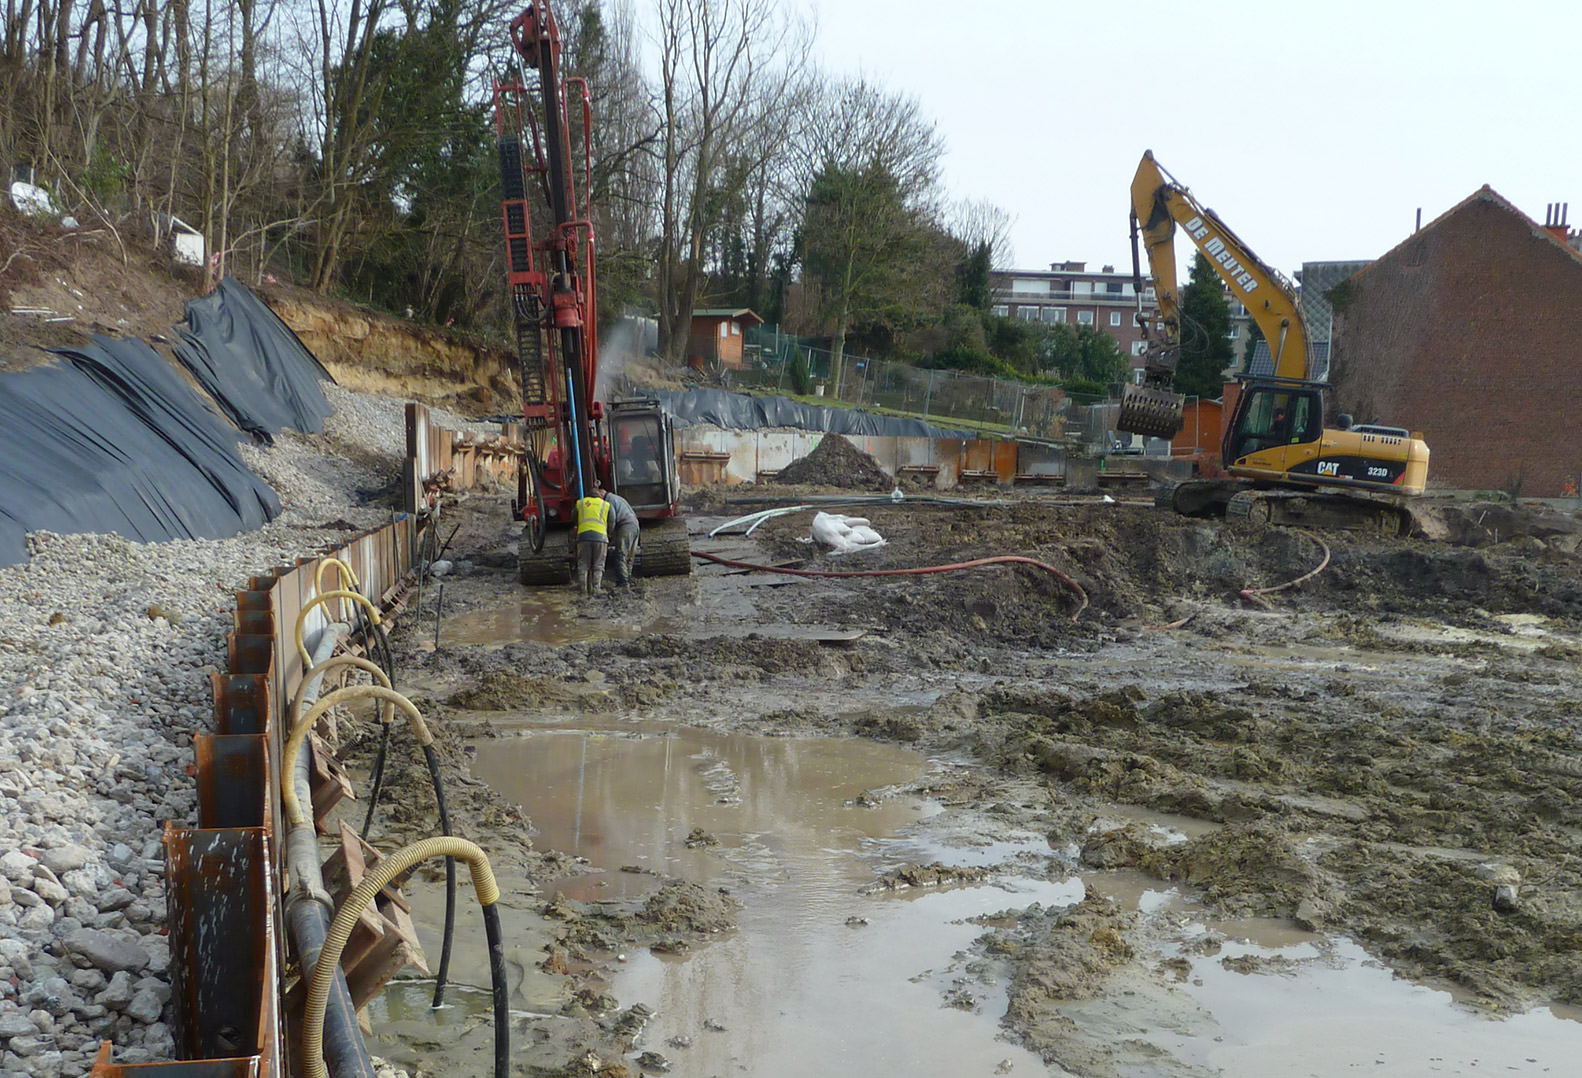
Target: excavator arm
[[1159, 206]]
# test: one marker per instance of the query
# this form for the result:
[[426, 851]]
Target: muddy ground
[[1389, 751]]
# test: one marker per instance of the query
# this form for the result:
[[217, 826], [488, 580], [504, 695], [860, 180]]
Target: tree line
[[351, 144]]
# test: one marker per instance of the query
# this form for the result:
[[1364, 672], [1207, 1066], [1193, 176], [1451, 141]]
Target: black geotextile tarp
[[250, 362], [738, 411], [112, 439]]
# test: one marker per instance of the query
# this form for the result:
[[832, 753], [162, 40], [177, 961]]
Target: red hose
[[1000, 559], [1255, 595]]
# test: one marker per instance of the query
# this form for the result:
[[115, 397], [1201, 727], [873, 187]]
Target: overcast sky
[[1317, 130]]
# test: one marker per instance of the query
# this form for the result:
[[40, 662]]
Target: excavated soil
[[835, 462], [1390, 751]]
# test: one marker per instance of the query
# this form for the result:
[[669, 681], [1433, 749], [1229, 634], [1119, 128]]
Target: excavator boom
[[1159, 206]]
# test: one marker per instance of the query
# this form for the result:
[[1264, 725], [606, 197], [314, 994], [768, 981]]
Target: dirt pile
[[835, 462]]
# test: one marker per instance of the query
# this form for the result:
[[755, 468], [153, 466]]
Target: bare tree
[[725, 73], [978, 221]]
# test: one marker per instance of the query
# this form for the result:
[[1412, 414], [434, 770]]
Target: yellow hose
[[302, 649], [340, 931], [295, 814], [344, 574], [386, 713], [345, 570]]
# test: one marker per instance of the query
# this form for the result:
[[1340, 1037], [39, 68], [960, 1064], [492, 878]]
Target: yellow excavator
[[1287, 467]]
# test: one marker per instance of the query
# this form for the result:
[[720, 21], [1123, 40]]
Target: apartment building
[[1070, 293]]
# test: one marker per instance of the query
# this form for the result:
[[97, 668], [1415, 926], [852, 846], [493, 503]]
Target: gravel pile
[[106, 647]]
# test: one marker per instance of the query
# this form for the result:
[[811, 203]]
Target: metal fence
[[784, 363]]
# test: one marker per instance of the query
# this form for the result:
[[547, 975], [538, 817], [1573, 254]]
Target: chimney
[[1555, 214]]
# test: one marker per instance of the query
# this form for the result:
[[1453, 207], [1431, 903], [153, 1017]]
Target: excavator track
[[1290, 508], [551, 565], [665, 549], [1197, 497]]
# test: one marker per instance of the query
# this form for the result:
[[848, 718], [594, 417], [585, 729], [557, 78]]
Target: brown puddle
[[802, 825], [822, 979], [620, 799], [1288, 1003], [557, 617], [544, 616]]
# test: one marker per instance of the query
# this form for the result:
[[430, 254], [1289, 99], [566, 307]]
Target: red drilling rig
[[572, 437]]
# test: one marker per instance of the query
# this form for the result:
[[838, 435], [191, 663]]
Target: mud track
[[1390, 752]]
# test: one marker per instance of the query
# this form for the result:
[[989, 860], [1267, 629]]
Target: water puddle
[[1522, 632], [801, 825], [1327, 1008], [821, 977], [620, 800], [543, 616]]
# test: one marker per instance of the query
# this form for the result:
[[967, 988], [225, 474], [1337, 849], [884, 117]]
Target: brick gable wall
[[1471, 332]]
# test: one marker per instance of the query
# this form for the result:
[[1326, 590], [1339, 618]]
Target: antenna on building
[[1419, 227]]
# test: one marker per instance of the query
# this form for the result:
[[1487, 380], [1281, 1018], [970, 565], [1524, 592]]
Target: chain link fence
[[780, 362]]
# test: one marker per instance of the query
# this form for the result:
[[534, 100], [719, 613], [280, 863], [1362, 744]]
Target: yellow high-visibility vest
[[593, 519]]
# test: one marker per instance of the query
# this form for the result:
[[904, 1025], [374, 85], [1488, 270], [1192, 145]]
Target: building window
[[1027, 314], [736, 329], [725, 329], [1113, 287], [1000, 311], [1139, 348], [1115, 318], [1023, 285], [1084, 318], [1054, 314]]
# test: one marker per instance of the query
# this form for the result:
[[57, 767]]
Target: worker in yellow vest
[[593, 539]]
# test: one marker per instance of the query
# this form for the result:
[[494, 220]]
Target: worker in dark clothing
[[623, 536], [593, 540]]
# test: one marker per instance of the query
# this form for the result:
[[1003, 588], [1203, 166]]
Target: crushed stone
[[106, 648]]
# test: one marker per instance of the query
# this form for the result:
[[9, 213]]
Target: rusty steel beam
[[233, 780], [241, 703], [224, 976]]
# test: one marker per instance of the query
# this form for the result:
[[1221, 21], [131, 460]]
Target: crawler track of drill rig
[[664, 549], [1378, 514]]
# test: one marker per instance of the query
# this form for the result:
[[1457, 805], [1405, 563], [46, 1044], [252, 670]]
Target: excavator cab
[[1271, 416]]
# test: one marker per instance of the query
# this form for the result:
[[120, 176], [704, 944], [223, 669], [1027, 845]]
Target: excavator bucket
[[1150, 411]]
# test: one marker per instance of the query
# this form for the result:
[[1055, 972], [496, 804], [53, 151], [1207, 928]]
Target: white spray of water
[[618, 347]]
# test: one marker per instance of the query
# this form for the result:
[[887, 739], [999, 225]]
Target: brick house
[[1071, 293], [1469, 331], [716, 337]]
